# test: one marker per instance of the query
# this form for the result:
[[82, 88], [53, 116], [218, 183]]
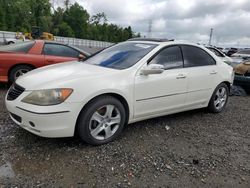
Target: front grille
[[14, 92]]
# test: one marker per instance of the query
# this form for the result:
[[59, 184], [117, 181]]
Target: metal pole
[[210, 37], [150, 28]]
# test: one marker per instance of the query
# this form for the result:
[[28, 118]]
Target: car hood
[[48, 75]]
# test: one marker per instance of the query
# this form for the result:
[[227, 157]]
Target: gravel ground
[[198, 150]]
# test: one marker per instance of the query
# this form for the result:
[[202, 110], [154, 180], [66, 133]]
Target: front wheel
[[18, 71], [101, 121], [219, 99]]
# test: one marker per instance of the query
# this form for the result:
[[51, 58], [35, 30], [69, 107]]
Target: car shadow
[[29, 140]]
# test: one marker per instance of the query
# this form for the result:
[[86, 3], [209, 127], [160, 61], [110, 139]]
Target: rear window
[[19, 47]]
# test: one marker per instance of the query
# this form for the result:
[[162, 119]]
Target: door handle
[[213, 72], [181, 76]]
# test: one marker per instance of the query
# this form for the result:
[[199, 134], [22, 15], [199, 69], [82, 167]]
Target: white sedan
[[128, 82], [221, 55]]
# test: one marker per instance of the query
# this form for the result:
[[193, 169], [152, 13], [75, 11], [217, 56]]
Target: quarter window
[[216, 52], [194, 56], [170, 58], [60, 50]]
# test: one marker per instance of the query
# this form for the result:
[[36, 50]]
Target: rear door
[[202, 74], [57, 53]]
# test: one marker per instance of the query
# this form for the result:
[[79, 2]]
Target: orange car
[[18, 59]]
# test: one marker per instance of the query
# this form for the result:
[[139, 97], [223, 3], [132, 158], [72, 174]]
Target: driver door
[[57, 53], [165, 92]]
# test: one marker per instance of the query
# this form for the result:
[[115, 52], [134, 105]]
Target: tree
[[65, 30], [40, 11], [72, 20], [77, 18], [2, 15], [99, 18]]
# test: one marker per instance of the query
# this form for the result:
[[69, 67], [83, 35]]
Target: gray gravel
[[190, 149]]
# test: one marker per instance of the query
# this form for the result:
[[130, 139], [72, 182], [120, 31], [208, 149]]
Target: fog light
[[32, 124]]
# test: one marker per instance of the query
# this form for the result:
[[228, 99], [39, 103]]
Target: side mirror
[[152, 69], [81, 57]]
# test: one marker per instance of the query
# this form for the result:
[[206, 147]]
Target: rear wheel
[[101, 121], [18, 71], [219, 98]]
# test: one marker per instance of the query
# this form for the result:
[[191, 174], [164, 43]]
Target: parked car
[[18, 59], [128, 82], [242, 76], [243, 54], [221, 55], [231, 51]]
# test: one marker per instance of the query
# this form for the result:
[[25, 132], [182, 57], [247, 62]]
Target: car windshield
[[121, 56], [19, 47]]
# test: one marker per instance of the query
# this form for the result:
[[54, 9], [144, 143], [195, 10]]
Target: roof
[[151, 39]]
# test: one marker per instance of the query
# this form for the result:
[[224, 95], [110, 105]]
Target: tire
[[98, 122], [18, 71], [219, 98]]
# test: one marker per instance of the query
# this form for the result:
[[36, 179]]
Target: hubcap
[[105, 122], [220, 98], [20, 72]]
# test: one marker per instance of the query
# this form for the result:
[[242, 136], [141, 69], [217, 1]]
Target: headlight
[[47, 97]]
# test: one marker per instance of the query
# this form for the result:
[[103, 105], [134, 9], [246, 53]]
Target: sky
[[187, 20]]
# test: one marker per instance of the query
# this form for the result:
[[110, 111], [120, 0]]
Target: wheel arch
[[19, 64], [113, 94], [227, 83]]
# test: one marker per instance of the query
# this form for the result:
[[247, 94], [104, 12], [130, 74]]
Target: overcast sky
[[180, 19]]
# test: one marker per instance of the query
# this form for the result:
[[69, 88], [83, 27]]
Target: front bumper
[[46, 121]]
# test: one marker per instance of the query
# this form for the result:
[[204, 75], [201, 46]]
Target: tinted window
[[216, 52], [19, 47], [170, 58], [194, 56], [59, 50], [121, 56]]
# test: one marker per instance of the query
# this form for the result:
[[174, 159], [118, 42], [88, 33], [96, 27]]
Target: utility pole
[[149, 28], [210, 37]]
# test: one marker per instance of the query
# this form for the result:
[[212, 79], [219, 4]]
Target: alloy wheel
[[20, 72], [220, 98], [105, 122]]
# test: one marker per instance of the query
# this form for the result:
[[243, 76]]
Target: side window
[[59, 50], [216, 52], [194, 56], [170, 58]]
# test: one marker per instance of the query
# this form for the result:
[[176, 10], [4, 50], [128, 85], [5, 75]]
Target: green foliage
[[71, 21], [64, 30], [77, 18]]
